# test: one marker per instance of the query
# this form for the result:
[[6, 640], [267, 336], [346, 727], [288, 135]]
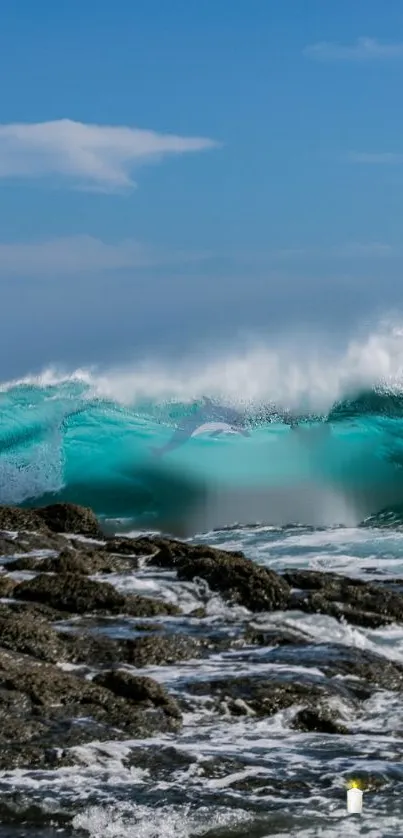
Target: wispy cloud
[[365, 250], [84, 254], [376, 158], [364, 49], [90, 156], [346, 250]]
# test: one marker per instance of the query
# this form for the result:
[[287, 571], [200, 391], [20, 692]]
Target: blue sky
[[181, 173]]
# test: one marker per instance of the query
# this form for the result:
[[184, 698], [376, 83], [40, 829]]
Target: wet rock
[[146, 627], [34, 609], [317, 721], [158, 650], [91, 649], [68, 592], [83, 562], [127, 546], [70, 518], [139, 689], [359, 602], [260, 696], [362, 670], [31, 635], [160, 762], [9, 545], [87, 562], [14, 519], [374, 671], [85, 647], [238, 579], [7, 585], [30, 563], [169, 552], [275, 636], [43, 708], [80, 595], [144, 606]]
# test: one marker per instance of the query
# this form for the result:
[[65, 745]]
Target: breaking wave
[[279, 436]]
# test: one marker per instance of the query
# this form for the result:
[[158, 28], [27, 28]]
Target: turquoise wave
[[158, 463]]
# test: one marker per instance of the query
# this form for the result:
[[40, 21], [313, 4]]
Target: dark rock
[[146, 627], [80, 595], [83, 562], [144, 606], [317, 721], [33, 609], [158, 650], [14, 519], [30, 563], [87, 562], [68, 592], [7, 585], [30, 635], [70, 518], [275, 637], [92, 649], [27, 541], [40, 706], [169, 552], [374, 671], [139, 689], [265, 696], [359, 602], [238, 579], [7, 545], [127, 546]]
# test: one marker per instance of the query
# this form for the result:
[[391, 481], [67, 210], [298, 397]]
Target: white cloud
[[83, 254], [364, 49], [94, 156], [377, 158]]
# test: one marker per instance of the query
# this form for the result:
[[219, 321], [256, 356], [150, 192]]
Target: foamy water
[[245, 776]]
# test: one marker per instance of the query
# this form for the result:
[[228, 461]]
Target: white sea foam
[[239, 772], [291, 375]]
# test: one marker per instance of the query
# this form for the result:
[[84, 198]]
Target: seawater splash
[[273, 436]]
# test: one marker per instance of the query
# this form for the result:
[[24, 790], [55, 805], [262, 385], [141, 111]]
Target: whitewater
[[316, 437], [291, 453]]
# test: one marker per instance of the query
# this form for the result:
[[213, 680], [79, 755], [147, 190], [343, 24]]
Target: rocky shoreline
[[64, 684]]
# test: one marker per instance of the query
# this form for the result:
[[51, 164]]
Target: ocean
[[296, 460]]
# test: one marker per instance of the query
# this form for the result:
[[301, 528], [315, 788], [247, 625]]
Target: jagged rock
[[31, 635], [87, 562], [275, 636], [15, 519], [30, 563], [359, 602], [7, 585], [70, 518], [238, 579], [39, 704], [139, 689], [158, 650], [80, 595], [264, 696], [125, 546], [317, 721]]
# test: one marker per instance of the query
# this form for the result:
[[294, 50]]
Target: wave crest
[[320, 431]]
